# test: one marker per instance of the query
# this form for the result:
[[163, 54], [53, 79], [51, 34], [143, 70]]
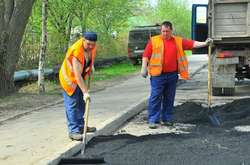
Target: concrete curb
[[105, 128]]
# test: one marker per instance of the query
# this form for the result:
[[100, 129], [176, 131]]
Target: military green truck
[[137, 41]]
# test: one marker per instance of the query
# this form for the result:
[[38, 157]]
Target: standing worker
[[73, 73], [164, 58]]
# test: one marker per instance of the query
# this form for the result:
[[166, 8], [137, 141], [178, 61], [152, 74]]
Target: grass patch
[[114, 71], [188, 52]]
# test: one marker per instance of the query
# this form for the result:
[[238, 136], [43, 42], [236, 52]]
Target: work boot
[[152, 125], [89, 129], [168, 123], [75, 136]]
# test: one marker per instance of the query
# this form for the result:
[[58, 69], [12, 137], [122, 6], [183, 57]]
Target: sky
[[153, 2]]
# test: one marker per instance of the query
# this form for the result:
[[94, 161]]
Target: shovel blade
[[81, 160], [214, 118]]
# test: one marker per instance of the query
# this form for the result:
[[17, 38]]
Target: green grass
[[188, 52], [115, 70]]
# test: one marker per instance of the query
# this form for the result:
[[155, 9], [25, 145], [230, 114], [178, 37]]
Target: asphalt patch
[[205, 145]]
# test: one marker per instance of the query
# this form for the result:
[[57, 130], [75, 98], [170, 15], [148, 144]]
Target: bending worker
[[164, 58], [74, 71]]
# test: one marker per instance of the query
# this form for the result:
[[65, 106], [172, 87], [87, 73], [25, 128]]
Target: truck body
[[228, 23], [137, 41]]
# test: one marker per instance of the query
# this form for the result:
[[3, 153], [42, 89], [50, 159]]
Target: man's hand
[[86, 97], [144, 71], [209, 41]]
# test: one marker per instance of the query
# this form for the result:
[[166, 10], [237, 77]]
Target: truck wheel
[[217, 91], [228, 91], [134, 61]]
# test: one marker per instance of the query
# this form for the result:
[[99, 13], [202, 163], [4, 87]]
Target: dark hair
[[167, 24]]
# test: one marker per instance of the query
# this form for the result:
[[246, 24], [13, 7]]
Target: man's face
[[89, 45], [166, 32]]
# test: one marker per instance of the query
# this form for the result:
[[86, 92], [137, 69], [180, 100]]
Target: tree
[[61, 17], [112, 16], [83, 9], [41, 84], [14, 15], [177, 12]]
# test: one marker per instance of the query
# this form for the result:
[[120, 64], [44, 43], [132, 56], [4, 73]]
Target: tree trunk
[[41, 83], [14, 15]]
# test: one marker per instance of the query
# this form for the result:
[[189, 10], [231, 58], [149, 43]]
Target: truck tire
[[217, 91], [134, 61], [228, 91]]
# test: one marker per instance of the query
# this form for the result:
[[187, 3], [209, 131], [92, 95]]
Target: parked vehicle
[[227, 23], [137, 41]]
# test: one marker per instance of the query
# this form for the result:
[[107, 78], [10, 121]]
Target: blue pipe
[[31, 74]]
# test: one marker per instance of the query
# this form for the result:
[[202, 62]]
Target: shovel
[[212, 116], [82, 159]]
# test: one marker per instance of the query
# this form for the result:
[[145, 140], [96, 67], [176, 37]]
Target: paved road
[[41, 137], [192, 140]]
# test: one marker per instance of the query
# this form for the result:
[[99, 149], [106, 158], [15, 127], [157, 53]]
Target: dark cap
[[91, 36]]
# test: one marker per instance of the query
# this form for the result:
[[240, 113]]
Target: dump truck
[[227, 22]]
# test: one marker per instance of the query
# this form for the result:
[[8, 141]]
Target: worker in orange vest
[[75, 69], [164, 59]]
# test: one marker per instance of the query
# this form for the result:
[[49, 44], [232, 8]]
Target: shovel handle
[[209, 85], [86, 119]]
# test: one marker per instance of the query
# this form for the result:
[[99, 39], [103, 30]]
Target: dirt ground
[[193, 141], [22, 103]]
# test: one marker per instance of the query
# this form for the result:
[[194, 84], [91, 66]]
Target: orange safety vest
[[156, 60], [66, 74]]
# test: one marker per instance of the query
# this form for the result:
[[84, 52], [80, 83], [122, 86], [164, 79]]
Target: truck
[[137, 41], [227, 22]]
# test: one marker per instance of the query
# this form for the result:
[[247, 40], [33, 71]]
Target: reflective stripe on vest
[[66, 74], [156, 60], [181, 59]]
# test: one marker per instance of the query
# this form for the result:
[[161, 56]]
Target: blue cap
[[91, 36]]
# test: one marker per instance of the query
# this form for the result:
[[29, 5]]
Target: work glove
[[209, 41], [86, 97], [144, 71]]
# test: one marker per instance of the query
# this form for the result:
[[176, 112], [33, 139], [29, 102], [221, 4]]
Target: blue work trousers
[[161, 100], [75, 108]]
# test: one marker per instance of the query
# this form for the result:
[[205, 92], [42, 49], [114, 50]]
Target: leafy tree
[[61, 18], [14, 15], [175, 11], [112, 16], [82, 10]]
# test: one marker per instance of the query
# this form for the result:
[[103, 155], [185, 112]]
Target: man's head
[[166, 29], [90, 40]]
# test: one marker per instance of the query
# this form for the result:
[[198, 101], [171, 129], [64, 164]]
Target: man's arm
[[144, 67], [146, 56], [198, 44], [77, 69]]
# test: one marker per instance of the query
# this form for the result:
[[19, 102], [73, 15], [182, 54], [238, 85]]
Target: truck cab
[[138, 39]]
